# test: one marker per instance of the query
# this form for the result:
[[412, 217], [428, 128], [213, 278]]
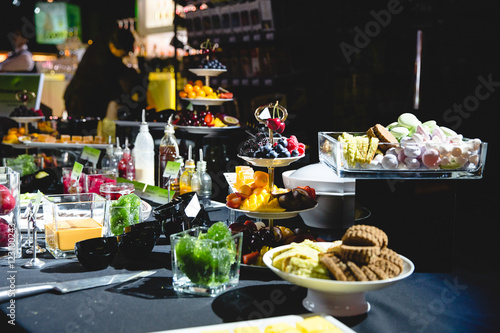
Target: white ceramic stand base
[[336, 304]]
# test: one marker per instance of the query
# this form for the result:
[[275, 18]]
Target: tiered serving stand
[[270, 164]]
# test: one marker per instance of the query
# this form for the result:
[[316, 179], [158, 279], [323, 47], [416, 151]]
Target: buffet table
[[424, 302]]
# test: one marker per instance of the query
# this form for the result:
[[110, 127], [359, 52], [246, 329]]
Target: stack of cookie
[[362, 255]]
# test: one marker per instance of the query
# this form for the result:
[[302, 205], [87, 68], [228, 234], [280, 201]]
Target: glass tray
[[331, 154]]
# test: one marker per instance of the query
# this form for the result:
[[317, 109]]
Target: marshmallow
[[390, 161], [474, 159], [474, 144], [412, 151], [456, 151], [412, 163], [431, 158]]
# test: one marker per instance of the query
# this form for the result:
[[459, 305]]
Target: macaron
[[430, 125], [408, 120], [399, 132], [392, 125], [448, 131]]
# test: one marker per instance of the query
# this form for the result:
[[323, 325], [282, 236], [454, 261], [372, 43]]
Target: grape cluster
[[279, 150], [253, 144], [211, 64], [23, 111], [194, 118]]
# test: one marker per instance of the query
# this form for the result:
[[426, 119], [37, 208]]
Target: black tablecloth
[[424, 302]]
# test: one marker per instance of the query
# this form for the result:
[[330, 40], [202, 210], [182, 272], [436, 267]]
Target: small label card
[[171, 169], [90, 154], [77, 171]]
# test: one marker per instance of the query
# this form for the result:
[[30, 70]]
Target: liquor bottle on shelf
[[169, 151], [144, 154], [205, 190], [126, 167]]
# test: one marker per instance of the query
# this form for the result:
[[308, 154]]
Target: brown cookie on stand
[[369, 273], [357, 272], [365, 235], [359, 254], [392, 256], [331, 263]]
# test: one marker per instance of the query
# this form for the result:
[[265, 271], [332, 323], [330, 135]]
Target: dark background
[[325, 92]]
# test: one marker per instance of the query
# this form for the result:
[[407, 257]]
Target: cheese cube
[[280, 328], [316, 324], [249, 329]]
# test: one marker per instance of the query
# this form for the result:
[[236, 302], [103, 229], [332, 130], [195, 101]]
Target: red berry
[[301, 149]]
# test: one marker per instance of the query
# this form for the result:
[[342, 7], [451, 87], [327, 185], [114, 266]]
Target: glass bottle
[[118, 151], [175, 182], [186, 182], [126, 167], [169, 151], [205, 190], [109, 161]]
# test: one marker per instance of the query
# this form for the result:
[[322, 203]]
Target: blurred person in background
[[103, 82], [20, 59]]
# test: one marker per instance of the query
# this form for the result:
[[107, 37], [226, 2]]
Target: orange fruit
[[198, 83], [188, 87], [183, 94], [245, 190], [200, 93], [196, 88], [207, 89], [261, 178], [191, 94]]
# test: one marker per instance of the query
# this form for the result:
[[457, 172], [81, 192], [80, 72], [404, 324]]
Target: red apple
[[7, 201], [4, 233]]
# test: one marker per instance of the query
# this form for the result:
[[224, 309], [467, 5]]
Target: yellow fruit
[[200, 93], [207, 89], [188, 87], [191, 94], [219, 123]]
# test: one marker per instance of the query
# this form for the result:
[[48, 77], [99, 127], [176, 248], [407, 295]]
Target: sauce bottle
[[144, 154], [186, 182], [109, 161], [205, 190], [169, 151], [126, 167]]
